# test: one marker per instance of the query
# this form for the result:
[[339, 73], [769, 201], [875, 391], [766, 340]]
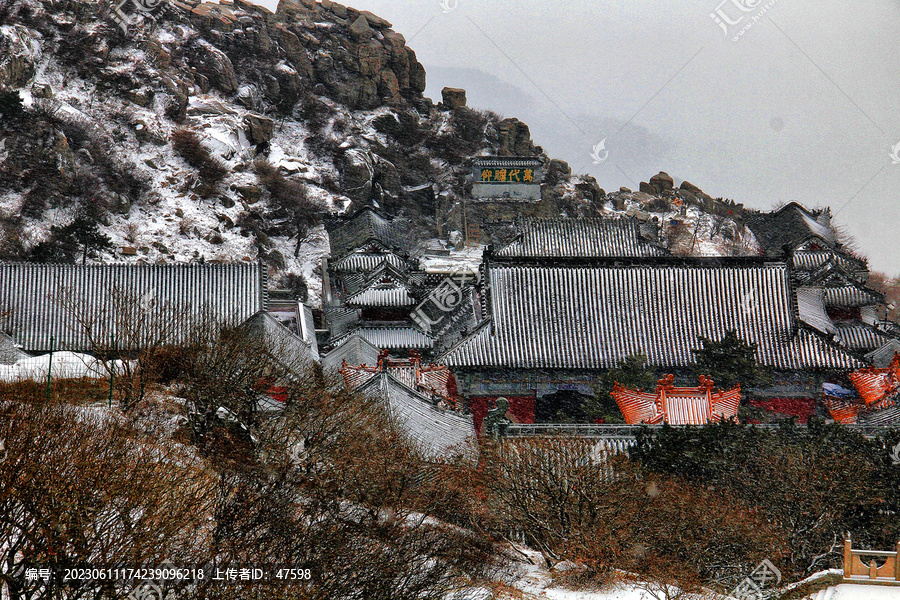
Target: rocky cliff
[[223, 132]]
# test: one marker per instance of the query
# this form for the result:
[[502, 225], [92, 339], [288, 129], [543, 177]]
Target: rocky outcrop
[[18, 54], [453, 98], [357, 173], [215, 65], [514, 139], [259, 128]]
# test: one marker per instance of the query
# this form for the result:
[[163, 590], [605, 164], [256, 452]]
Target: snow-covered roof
[[393, 337], [790, 226], [591, 314], [365, 227], [292, 351], [581, 237], [66, 302], [353, 349], [440, 433]]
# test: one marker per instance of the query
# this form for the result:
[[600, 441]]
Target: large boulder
[[259, 128], [514, 139], [662, 182], [687, 186], [453, 97], [357, 174], [215, 66]]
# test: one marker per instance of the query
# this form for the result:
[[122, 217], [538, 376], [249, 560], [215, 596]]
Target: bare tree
[[127, 326], [78, 488]]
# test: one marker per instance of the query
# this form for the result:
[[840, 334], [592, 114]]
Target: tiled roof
[[352, 234], [354, 349], [340, 319], [451, 327], [591, 316], [882, 356], [391, 294], [173, 296], [886, 416], [860, 337], [581, 237], [851, 295], [384, 287], [293, 352], [9, 352], [440, 433], [353, 283], [393, 337], [790, 226], [366, 262], [429, 380], [507, 161], [874, 385], [809, 260], [811, 308], [677, 405]]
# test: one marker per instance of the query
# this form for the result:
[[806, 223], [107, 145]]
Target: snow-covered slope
[[328, 95]]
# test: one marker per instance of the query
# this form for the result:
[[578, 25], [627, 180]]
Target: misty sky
[[803, 106]]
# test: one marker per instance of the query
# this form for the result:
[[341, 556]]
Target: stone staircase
[[825, 594]]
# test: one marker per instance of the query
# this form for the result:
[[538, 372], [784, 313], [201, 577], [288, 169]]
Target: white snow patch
[[62, 365]]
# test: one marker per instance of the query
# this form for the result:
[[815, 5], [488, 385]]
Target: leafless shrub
[[131, 327], [188, 144], [78, 489], [605, 513]]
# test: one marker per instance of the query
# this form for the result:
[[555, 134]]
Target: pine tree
[[632, 373], [81, 238], [730, 361]]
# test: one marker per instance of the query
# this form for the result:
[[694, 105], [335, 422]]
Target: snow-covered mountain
[[224, 132]]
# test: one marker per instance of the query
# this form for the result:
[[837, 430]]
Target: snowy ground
[[854, 591], [467, 259], [64, 365]]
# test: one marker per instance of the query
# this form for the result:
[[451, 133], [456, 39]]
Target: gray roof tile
[[590, 316], [161, 293], [581, 237]]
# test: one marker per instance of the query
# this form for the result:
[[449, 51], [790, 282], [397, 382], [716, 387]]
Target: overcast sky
[[760, 101]]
